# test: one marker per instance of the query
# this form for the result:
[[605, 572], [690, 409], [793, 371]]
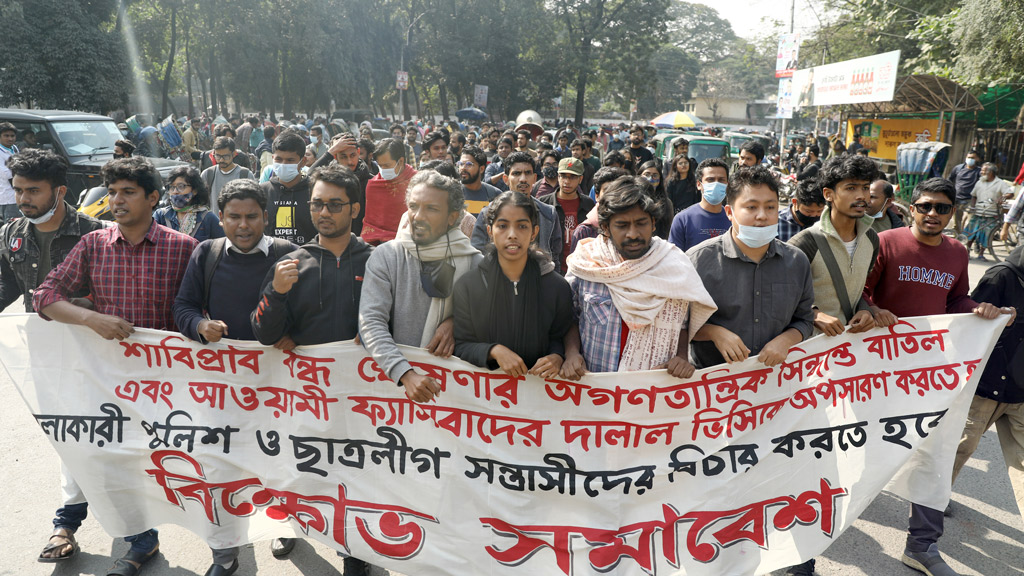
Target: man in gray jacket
[[407, 291]]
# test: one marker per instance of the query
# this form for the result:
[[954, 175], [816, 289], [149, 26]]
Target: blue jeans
[[70, 516], [145, 541]]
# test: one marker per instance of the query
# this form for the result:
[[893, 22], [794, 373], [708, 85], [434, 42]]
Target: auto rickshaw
[[916, 162]]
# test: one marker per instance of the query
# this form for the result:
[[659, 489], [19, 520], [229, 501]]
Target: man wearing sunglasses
[[921, 272], [409, 283], [312, 294]]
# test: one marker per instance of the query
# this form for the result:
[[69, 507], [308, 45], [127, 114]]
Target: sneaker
[[805, 569], [930, 562]]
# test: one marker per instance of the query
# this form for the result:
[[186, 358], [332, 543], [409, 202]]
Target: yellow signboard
[[882, 137]]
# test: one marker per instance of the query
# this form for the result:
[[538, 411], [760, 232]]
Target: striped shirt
[[137, 283]]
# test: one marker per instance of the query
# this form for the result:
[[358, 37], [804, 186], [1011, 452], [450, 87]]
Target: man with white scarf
[[407, 292], [636, 297]]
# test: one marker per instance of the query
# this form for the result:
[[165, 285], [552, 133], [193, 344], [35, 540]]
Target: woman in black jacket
[[681, 184], [513, 310]]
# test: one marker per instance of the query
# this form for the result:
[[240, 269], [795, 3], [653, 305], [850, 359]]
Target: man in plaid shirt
[[133, 270]]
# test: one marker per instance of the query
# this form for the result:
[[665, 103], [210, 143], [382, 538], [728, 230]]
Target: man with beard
[[471, 168], [29, 248], [304, 301], [637, 299], [409, 283], [216, 177], [519, 176], [304, 298], [157, 258], [637, 146]]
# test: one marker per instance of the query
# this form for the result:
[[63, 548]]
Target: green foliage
[[700, 31], [991, 46], [62, 54]]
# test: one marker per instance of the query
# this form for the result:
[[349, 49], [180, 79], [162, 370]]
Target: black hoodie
[[323, 305], [1003, 285]]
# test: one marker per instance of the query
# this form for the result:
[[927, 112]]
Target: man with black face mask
[[804, 210], [29, 248]]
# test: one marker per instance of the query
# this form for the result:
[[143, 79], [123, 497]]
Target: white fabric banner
[[741, 469]]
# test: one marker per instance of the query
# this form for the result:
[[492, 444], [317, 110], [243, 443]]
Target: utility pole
[[792, 26]]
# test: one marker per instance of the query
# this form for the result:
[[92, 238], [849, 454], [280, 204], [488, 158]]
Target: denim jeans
[[145, 541]]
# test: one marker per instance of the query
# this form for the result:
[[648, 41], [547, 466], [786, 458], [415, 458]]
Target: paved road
[[985, 537]]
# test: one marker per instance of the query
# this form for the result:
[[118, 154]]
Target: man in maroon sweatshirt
[[921, 272]]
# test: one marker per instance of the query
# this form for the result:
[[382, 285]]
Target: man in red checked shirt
[[134, 270], [920, 272]]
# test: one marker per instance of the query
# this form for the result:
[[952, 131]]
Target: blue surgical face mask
[[879, 214], [286, 172], [714, 193], [314, 139], [970, 162], [756, 236]]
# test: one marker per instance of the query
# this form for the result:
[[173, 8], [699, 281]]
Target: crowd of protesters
[[515, 252]]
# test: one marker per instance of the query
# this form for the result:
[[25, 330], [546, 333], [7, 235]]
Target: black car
[[85, 140]]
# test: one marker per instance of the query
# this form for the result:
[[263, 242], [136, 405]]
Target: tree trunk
[[220, 91], [214, 109], [416, 95], [170, 63], [286, 103], [442, 95], [581, 82], [188, 81]]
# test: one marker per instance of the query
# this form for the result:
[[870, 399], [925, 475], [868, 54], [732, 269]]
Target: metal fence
[[1003, 147]]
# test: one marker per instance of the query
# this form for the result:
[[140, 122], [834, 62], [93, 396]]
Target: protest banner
[[740, 469]]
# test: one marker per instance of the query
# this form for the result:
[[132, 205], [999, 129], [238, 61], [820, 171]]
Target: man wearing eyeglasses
[[216, 177], [312, 294], [471, 168], [921, 272]]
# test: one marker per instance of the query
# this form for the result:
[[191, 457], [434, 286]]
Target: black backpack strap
[[873, 238], [278, 248], [838, 281], [212, 260]]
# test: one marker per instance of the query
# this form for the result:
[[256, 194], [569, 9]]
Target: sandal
[[66, 537], [131, 562]]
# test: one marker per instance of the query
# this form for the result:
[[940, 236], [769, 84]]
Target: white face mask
[[49, 213], [389, 173], [286, 172], [756, 236], [314, 139]]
